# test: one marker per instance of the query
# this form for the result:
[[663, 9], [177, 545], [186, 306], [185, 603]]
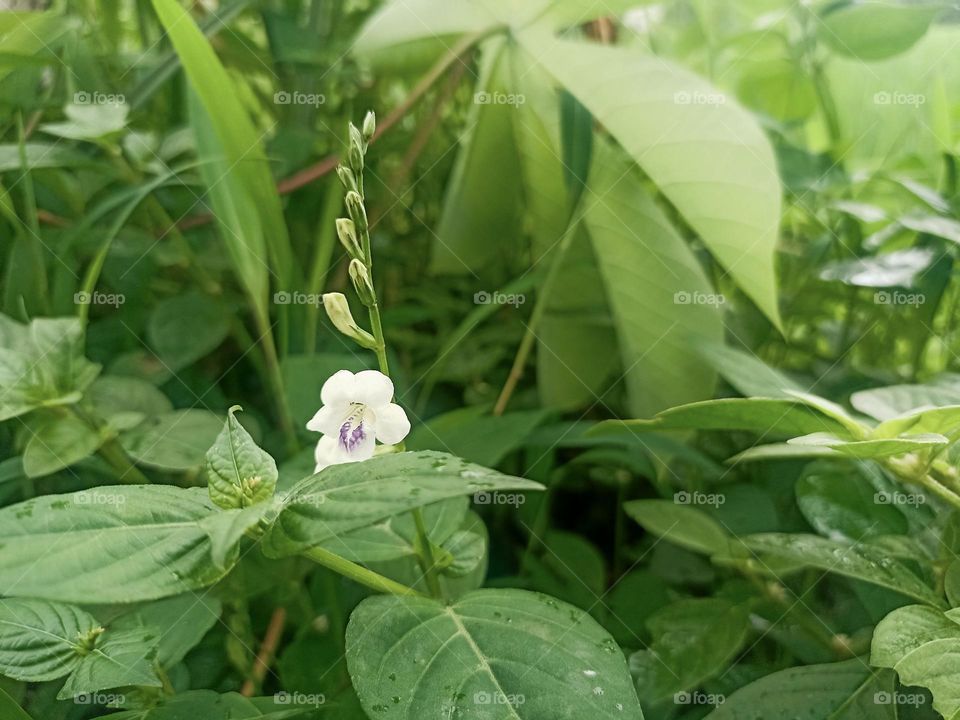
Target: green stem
[[275, 381], [112, 452], [425, 555], [358, 573]]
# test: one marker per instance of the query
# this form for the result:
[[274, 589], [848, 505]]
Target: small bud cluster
[[354, 235]]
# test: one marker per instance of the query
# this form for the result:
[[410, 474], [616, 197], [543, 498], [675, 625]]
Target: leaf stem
[[358, 573]]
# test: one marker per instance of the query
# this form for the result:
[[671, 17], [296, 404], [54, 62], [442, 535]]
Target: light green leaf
[[239, 472], [120, 400], [765, 416], [875, 448], [747, 374], [858, 561], [710, 159], [943, 420], [887, 403], [686, 526], [57, 441], [175, 441], [347, 497], [42, 365], [650, 275], [209, 705], [467, 549], [906, 629], [836, 691], [89, 122], [492, 653], [41, 156], [111, 544], [876, 29]]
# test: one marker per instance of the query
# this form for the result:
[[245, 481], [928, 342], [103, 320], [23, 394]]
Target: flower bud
[[369, 125], [347, 232], [361, 283], [357, 149], [338, 310], [358, 213], [347, 178]]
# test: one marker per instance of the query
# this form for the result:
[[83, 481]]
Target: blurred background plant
[[579, 210]]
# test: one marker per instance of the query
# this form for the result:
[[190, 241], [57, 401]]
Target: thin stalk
[[325, 243], [359, 574], [275, 381]]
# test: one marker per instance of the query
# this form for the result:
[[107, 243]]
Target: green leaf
[[175, 441], [492, 653], [178, 622], [120, 658], [187, 327], [711, 161], [887, 403], [42, 365], [747, 374], [126, 401], [693, 640], [89, 122], [873, 30], [240, 177], [474, 435], [9, 709], [113, 544], [42, 641], [764, 416], [838, 501], [41, 156], [686, 526], [569, 568], [835, 691], [923, 646], [943, 420], [239, 472], [347, 497], [209, 705], [858, 561], [56, 442], [648, 271], [875, 448], [481, 208]]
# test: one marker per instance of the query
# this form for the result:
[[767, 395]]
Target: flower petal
[[356, 439], [328, 453], [392, 424], [328, 419], [372, 388], [339, 389]]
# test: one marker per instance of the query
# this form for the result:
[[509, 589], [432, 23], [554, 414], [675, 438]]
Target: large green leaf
[[347, 497], [693, 639], [707, 155], [57, 441], [923, 646], [836, 691], [117, 544], [686, 526], [876, 29], [649, 274], [242, 188], [886, 403], [859, 561], [491, 654], [42, 641]]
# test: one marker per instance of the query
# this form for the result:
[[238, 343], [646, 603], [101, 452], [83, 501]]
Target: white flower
[[356, 412]]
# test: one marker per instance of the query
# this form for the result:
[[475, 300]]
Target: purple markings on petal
[[351, 437]]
